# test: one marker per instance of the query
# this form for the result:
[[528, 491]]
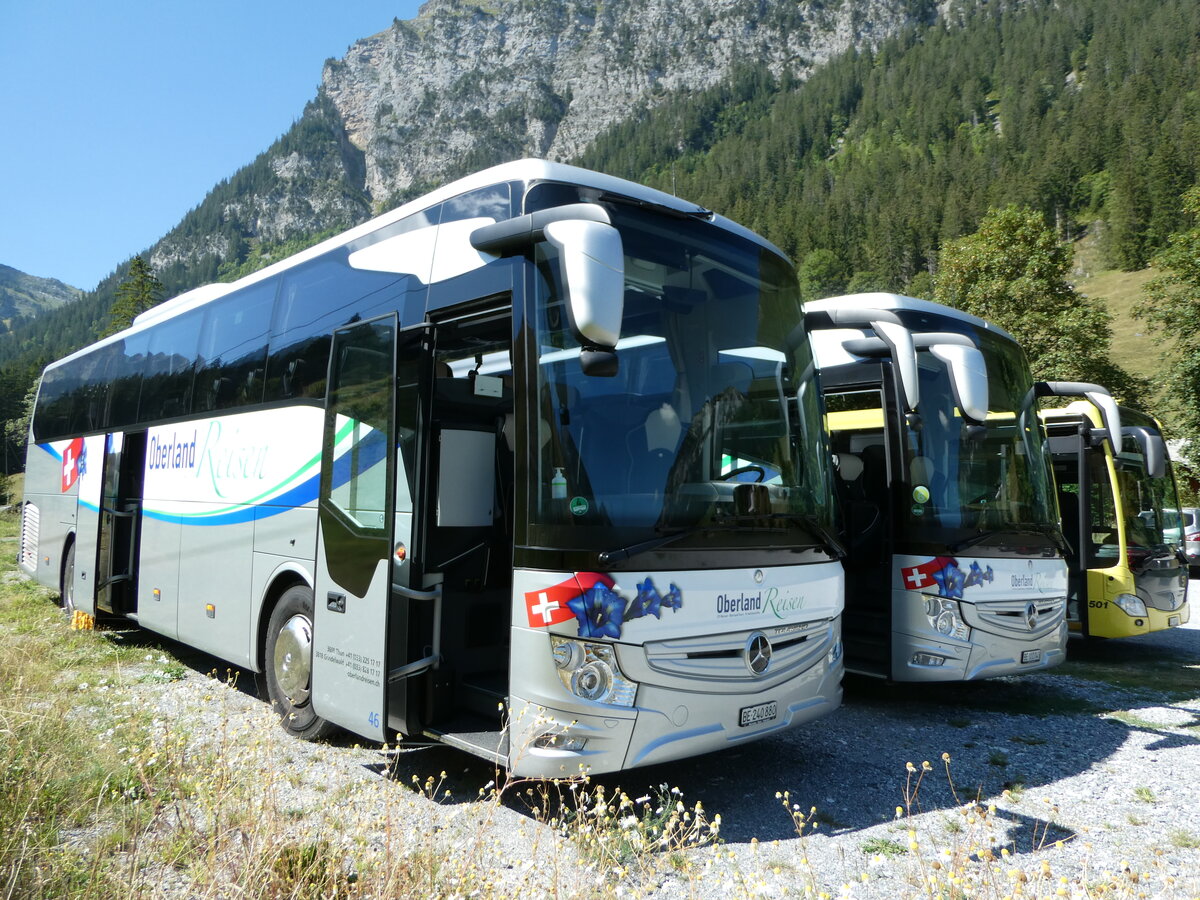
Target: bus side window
[[313, 301], [233, 349], [170, 365]]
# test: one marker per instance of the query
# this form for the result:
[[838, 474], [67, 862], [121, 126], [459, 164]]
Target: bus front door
[[120, 518], [360, 653]]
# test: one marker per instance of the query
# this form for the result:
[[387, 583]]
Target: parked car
[[1187, 521]]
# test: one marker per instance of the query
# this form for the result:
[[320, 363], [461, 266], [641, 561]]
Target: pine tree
[[137, 293]]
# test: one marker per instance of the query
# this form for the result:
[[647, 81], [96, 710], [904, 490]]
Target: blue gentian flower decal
[[950, 581], [978, 576], [600, 611], [648, 602], [673, 599]]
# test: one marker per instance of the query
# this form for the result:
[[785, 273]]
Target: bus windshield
[[964, 482], [1149, 505], [709, 434]]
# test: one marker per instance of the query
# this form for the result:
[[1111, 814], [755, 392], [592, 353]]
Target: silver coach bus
[[955, 566], [532, 465]]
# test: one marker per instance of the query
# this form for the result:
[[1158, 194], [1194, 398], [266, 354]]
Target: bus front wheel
[[288, 664]]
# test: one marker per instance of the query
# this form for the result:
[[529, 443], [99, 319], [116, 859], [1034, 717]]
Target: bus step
[[491, 745], [483, 693]]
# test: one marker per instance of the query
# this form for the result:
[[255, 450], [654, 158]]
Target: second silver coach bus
[[542, 439], [955, 565]]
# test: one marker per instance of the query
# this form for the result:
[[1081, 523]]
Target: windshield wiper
[[813, 524], [611, 556], [1051, 531]]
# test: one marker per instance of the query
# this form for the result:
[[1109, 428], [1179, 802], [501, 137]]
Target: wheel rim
[[293, 659], [68, 592]]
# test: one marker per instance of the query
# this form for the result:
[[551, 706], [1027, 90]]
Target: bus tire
[[66, 590], [288, 665]]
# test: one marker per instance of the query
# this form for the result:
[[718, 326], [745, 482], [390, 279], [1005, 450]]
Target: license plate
[[1031, 656], [753, 715], [1172, 621]]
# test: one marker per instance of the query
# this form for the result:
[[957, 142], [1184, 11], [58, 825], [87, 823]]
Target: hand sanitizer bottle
[[558, 485]]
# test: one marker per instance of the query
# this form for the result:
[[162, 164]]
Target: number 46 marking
[[373, 719]]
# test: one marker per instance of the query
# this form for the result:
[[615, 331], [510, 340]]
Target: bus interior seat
[[849, 466], [651, 447]]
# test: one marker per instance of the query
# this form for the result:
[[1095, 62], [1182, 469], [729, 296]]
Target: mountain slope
[[28, 295]]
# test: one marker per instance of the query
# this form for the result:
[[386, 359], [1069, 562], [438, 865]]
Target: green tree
[[822, 274], [1013, 272], [137, 293], [1171, 304]]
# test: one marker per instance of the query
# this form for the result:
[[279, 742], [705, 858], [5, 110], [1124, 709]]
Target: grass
[[1184, 839], [1144, 794], [1133, 346], [882, 847], [104, 799]]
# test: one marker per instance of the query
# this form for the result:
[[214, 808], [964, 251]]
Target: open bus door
[[361, 659], [101, 568]]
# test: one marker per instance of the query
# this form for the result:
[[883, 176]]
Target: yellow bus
[[1127, 574]]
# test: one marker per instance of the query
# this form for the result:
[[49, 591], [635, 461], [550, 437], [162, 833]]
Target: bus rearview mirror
[[968, 378], [593, 277], [591, 267]]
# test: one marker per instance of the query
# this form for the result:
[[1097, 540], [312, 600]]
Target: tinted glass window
[[90, 396], [315, 299], [167, 378], [233, 349], [128, 361], [52, 416]]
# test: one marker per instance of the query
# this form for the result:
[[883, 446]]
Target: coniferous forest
[[1086, 111]]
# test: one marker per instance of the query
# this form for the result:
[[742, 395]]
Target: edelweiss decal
[[943, 571]]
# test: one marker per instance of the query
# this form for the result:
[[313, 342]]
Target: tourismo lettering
[[172, 454]]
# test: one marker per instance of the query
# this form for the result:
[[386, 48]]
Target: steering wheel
[[741, 470]]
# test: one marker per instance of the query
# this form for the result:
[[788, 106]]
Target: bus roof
[[900, 303], [525, 170]]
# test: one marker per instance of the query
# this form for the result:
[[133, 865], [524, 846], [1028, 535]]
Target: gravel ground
[[1069, 782]]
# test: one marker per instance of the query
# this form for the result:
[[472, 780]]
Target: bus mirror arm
[[1098, 396], [891, 331], [591, 267]]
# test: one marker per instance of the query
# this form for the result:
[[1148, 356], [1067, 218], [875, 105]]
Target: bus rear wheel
[[288, 665], [67, 588]]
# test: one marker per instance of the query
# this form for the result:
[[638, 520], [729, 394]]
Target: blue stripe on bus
[[370, 452]]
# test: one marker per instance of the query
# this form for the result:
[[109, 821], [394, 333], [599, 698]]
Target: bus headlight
[[1130, 604], [590, 672], [945, 618]]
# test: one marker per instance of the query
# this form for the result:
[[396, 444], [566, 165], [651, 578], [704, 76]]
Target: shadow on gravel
[[1008, 733]]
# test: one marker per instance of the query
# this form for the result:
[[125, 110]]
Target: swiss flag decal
[[917, 577], [71, 468], [548, 606]]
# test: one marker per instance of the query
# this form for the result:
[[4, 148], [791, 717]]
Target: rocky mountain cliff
[[27, 295], [467, 84]]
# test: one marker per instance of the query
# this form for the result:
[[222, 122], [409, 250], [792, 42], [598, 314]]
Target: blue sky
[[119, 117]]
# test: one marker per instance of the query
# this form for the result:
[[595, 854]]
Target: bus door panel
[[353, 647], [119, 520], [83, 461]]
